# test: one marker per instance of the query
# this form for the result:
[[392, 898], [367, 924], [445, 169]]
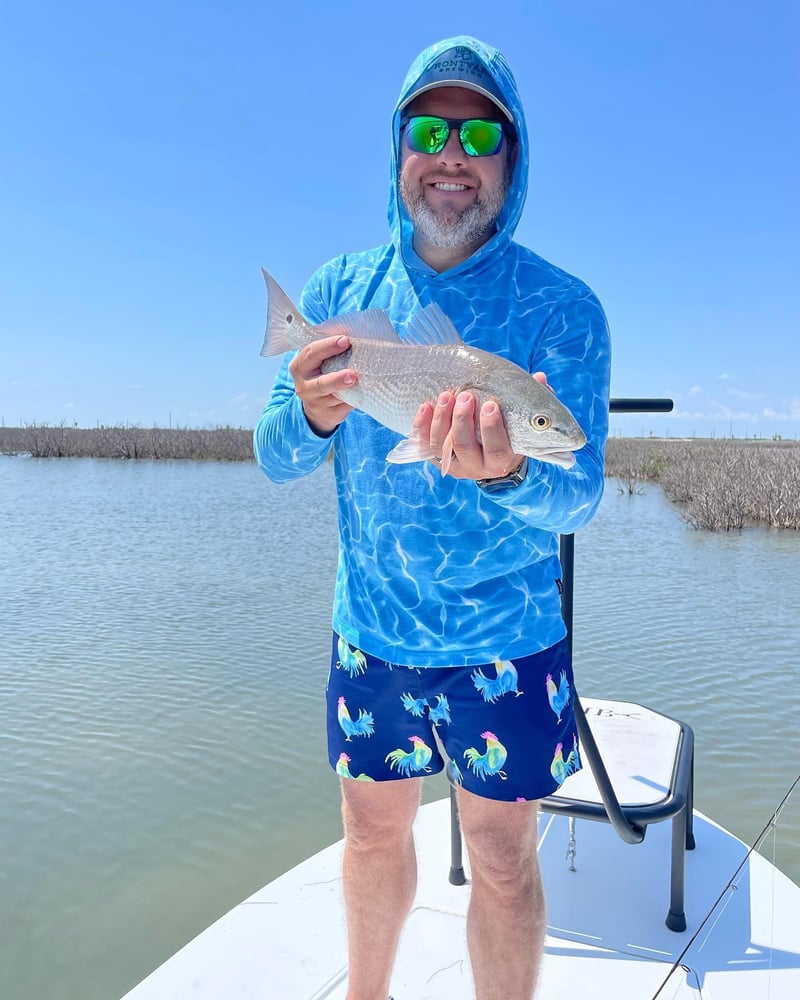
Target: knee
[[366, 826], [371, 822], [510, 872], [503, 859]]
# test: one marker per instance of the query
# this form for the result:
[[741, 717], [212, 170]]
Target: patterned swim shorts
[[507, 727]]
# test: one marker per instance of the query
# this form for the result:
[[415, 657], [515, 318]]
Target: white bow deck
[[606, 935]]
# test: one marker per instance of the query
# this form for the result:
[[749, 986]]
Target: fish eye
[[540, 422], [289, 317]]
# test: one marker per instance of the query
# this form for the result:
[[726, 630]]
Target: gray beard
[[467, 229]]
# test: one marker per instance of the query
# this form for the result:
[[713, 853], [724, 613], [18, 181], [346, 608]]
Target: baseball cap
[[459, 67]]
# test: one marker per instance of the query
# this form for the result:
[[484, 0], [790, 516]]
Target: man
[[447, 623]]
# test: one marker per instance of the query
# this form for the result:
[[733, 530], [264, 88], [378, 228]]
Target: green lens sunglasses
[[479, 136]]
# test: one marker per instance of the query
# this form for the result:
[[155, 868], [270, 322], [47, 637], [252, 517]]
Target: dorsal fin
[[431, 327], [369, 324]]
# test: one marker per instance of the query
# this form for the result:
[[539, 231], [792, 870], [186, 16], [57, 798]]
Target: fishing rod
[[770, 824]]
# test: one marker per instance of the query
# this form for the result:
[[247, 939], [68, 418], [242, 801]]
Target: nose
[[453, 151]]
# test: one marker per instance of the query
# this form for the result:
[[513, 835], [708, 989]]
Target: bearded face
[[452, 226], [452, 198]]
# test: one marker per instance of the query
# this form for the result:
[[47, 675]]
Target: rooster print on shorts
[[343, 769], [412, 761], [364, 725], [505, 681], [562, 767], [351, 660], [489, 763], [437, 713], [558, 696]]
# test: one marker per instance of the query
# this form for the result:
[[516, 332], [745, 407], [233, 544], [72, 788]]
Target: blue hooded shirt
[[434, 571]]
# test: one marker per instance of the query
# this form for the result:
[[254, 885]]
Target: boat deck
[[606, 934]]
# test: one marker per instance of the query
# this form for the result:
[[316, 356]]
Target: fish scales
[[394, 380], [396, 376]]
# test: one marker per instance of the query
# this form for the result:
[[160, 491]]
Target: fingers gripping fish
[[396, 376]]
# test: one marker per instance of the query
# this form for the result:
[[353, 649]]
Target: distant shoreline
[[720, 484], [217, 444]]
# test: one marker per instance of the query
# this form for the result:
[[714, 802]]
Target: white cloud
[[791, 411], [243, 399], [247, 403], [745, 394]]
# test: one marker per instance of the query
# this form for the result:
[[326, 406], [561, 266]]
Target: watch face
[[505, 482], [500, 484]]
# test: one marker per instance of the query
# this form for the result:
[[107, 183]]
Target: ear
[[513, 153]]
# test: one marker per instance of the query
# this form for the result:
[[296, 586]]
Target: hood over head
[[461, 61]]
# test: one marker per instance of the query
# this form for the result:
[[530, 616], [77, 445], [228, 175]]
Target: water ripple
[[163, 641]]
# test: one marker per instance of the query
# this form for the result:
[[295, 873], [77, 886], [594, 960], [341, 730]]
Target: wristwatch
[[511, 481]]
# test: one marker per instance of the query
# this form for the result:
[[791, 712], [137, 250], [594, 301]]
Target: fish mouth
[[565, 459]]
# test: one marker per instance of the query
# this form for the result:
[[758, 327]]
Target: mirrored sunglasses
[[429, 134]]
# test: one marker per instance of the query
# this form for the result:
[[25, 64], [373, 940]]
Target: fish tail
[[284, 322]]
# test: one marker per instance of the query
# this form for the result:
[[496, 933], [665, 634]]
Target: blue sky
[[155, 155]]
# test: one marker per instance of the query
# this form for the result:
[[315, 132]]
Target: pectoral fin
[[410, 450], [447, 453]]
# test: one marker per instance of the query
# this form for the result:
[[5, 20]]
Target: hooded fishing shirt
[[432, 570]]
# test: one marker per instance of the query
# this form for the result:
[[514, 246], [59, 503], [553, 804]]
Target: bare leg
[[506, 918], [379, 877]]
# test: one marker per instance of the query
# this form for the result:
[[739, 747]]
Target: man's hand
[[323, 409], [450, 427]]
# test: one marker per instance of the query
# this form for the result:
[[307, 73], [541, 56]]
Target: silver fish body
[[395, 377]]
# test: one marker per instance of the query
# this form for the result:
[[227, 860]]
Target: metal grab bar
[[632, 405], [678, 803], [630, 832]]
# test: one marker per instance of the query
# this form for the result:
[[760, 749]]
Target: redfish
[[396, 376]]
